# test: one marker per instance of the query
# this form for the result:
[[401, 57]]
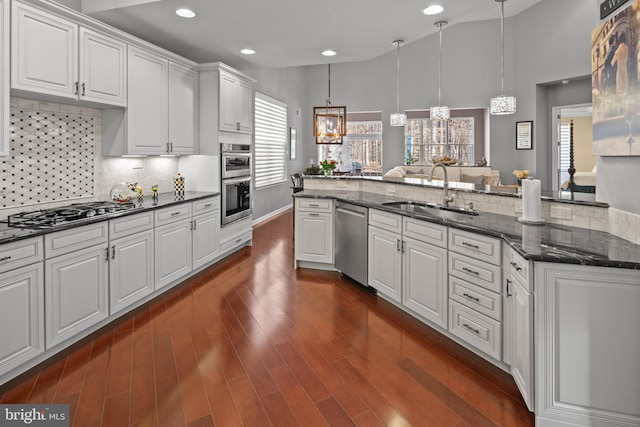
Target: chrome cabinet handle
[[470, 245], [397, 245], [468, 270], [313, 205], [83, 89], [113, 252], [474, 330], [76, 90], [239, 240], [208, 205], [107, 254], [175, 213], [313, 214], [514, 265], [508, 286], [237, 125], [195, 224], [171, 146], [5, 258], [471, 297]]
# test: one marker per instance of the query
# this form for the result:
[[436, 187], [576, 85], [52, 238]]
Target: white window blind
[[270, 141]]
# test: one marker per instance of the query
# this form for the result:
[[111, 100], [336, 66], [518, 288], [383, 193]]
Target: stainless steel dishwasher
[[351, 237]]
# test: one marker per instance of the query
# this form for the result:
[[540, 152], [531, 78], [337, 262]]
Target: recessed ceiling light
[[248, 51], [434, 9], [185, 13], [329, 52]]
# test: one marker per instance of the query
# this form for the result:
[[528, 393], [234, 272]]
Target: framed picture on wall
[[524, 135], [292, 143]]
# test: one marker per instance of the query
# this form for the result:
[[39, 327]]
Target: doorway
[[584, 160]]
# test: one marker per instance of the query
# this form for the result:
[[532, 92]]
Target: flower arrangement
[[328, 166], [521, 174]]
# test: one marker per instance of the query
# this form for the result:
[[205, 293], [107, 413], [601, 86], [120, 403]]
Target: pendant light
[[398, 119], [502, 105], [440, 112], [329, 121]]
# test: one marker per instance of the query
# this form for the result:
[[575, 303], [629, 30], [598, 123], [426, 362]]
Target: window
[[361, 151], [270, 141], [460, 138]]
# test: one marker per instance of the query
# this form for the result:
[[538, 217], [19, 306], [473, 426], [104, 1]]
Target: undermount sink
[[433, 209]]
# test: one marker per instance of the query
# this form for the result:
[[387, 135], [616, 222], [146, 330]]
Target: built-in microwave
[[236, 160]]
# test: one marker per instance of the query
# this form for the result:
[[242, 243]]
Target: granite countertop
[[548, 242], [11, 234]]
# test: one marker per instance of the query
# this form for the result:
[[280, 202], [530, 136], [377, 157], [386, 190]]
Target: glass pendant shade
[[398, 119], [439, 113], [503, 105]]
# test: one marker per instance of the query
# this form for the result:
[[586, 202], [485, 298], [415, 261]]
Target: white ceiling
[[288, 32]]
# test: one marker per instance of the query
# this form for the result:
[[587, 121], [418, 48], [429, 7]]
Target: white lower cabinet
[[587, 345], [314, 231], [206, 231], [173, 246], [76, 292], [408, 263], [21, 315]]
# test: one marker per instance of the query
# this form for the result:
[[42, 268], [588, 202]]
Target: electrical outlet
[[561, 212]]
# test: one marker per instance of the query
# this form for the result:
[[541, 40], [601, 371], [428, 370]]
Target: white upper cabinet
[[236, 103], [4, 77], [148, 106], [53, 56], [103, 68], [183, 109]]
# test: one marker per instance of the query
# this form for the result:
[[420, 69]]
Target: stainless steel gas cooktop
[[49, 218]]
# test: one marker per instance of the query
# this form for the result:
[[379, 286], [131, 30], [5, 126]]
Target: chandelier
[[398, 118], [502, 104], [329, 121], [440, 112]]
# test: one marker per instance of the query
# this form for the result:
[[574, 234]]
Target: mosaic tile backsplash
[[52, 157], [66, 165]]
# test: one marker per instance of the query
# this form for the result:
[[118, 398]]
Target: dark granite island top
[[11, 234], [549, 242]]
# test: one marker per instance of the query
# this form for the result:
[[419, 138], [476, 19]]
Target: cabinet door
[[76, 295], [183, 109], [173, 252], [103, 68], [314, 237], [245, 106], [205, 238], [425, 281], [4, 77], [21, 316], [130, 270], [385, 262], [228, 103], [44, 52], [147, 103], [522, 341]]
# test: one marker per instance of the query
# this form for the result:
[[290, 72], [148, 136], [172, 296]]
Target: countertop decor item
[[328, 166], [121, 193], [154, 194], [178, 185], [531, 203]]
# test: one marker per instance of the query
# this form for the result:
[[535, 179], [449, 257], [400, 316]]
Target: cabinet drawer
[[206, 205], [314, 204], [385, 220], [476, 329], [520, 268], [483, 274], [236, 240], [475, 297], [128, 225], [64, 242], [475, 245], [173, 213], [425, 231], [20, 253]]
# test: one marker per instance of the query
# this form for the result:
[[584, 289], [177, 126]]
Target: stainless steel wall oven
[[236, 182]]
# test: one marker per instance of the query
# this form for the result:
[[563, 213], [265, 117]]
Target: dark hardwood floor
[[253, 342]]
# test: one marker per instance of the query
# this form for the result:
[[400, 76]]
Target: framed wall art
[[524, 135]]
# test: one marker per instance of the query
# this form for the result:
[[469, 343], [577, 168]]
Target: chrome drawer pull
[[471, 297], [5, 258], [313, 205], [176, 213], [477, 332], [239, 240], [514, 265], [314, 214], [468, 270], [208, 205], [470, 245]]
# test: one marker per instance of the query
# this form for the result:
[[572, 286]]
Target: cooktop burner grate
[[49, 218]]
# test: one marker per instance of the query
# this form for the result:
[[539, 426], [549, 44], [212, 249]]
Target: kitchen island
[[556, 305]]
